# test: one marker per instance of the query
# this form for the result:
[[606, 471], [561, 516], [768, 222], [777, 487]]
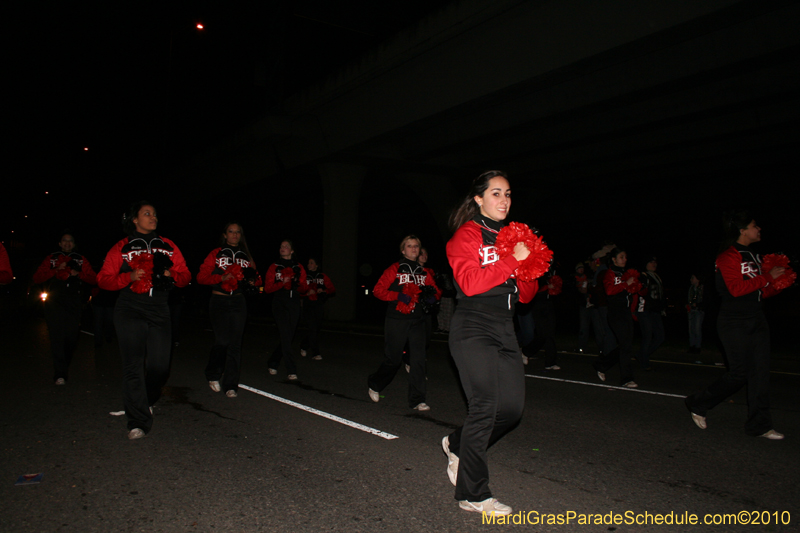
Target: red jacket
[[739, 280], [116, 272], [6, 276], [215, 264], [391, 283]]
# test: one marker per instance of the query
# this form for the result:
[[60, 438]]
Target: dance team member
[[405, 322], [143, 267], [67, 271], [696, 314], [619, 319], [650, 307], [319, 288], [742, 327], [230, 270], [286, 278], [482, 339]]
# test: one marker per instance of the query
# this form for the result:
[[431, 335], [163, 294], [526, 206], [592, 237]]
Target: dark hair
[[66, 232], [648, 259], [614, 253], [317, 261], [133, 211], [467, 209], [242, 241], [291, 245], [732, 222]]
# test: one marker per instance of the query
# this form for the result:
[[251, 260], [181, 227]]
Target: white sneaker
[[303, 353], [317, 358], [488, 506], [214, 386], [524, 359], [553, 367], [375, 396], [452, 461], [135, 433], [772, 435], [61, 381], [408, 369], [292, 377], [631, 385], [272, 371], [231, 394], [422, 407], [700, 421], [601, 376]]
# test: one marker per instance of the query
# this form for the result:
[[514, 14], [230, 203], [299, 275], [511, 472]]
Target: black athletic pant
[[228, 319], [544, 322], [313, 312], [396, 332], [143, 331], [286, 312], [489, 363], [747, 344], [621, 323], [63, 317]]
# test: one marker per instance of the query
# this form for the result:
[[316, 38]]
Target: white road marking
[[367, 429], [607, 386]]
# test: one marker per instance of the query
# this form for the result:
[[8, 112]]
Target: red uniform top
[[276, 281], [6, 276], [215, 264], [52, 265], [391, 283], [116, 272], [318, 284], [740, 282]]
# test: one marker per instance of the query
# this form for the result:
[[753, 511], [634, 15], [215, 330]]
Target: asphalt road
[[257, 463]]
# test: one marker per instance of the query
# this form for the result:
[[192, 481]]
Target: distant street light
[[199, 26], [85, 148]]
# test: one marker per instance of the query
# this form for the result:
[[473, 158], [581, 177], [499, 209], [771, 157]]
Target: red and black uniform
[[544, 323], [287, 288], [142, 322], [485, 349], [400, 327], [620, 321], [228, 312], [6, 276], [319, 289], [62, 310], [744, 333]]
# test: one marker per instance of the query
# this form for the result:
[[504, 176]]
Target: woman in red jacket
[[230, 270], [143, 267], [742, 328], [286, 279], [482, 339], [319, 288], [66, 271]]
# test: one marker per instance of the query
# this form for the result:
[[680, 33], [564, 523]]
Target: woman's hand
[[777, 272], [73, 272], [167, 273], [136, 274], [521, 252], [630, 281], [226, 276]]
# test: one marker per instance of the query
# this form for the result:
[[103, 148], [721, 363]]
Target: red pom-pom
[[788, 277], [557, 283], [537, 263], [230, 284], [63, 273], [410, 289], [634, 287], [143, 261]]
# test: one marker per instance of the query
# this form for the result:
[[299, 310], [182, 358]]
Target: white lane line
[[607, 386], [367, 429]]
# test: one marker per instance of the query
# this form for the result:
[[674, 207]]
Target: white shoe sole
[[452, 471]]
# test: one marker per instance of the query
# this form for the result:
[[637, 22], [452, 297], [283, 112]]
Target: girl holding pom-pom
[[619, 284], [482, 340], [230, 271], [742, 327], [141, 315], [287, 279]]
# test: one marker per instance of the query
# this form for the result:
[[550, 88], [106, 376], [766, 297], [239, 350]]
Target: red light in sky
[[86, 149], [199, 26]]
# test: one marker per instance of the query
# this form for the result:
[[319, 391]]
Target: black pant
[[313, 312], [747, 344], [143, 331], [489, 363], [396, 332], [286, 312], [63, 317], [621, 323], [228, 319], [103, 323], [544, 321]]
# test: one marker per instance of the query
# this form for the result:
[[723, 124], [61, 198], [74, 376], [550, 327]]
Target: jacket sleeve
[[6, 276], [329, 288], [430, 279], [381, 290], [462, 253], [179, 271], [302, 285], [527, 290], [44, 272], [608, 283], [270, 284], [206, 276], [110, 278], [87, 273], [729, 264]]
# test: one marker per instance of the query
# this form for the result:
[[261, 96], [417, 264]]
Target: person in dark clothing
[[66, 271], [650, 307], [544, 320], [286, 279], [230, 270], [742, 328], [619, 319], [143, 267], [696, 313], [405, 323], [319, 289], [482, 340]]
